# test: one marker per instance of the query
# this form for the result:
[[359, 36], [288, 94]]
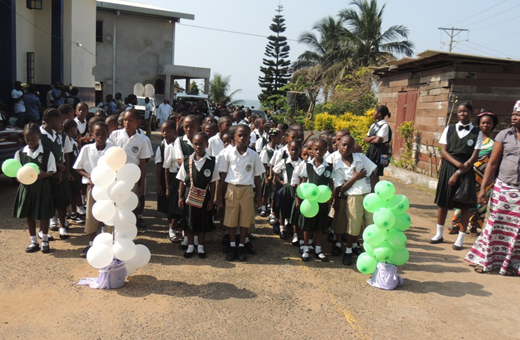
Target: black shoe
[[251, 237], [296, 243], [32, 248], [141, 225], [312, 250], [241, 253], [64, 236], [232, 254], [330, 237], [456, 247], [344, 237], [45, 248], [347, 259], [323, 258], [437, 241], [356, 251], [283, 235], [276, 227], [84, 252], [188, 255], [225, 240], [202, 255], [183, 247], [336, 251], [249, 248], [305, 258]]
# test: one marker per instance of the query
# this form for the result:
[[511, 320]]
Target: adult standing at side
[[498, 246], [58, 96], [32, 105], [379, 135], [111, 105], [19, 106], [164, 111]]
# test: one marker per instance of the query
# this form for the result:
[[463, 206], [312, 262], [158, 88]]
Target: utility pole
[[452, 33]]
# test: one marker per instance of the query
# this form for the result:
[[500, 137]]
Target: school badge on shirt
[[249, 167], [207, 172], [470, 142], [327, 173], [135, 149], [40, 159]]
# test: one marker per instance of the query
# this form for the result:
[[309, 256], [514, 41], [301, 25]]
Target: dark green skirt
[[287, 201], [197, 220], [174, 210], [445, 193], [319, 222], [60, 192], [34, 201]]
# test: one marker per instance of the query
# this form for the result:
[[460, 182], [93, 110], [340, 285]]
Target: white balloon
[[124, 249], [27, 175], [130, 204], [129, 269], [115, 158], [119, 192], [141, 258], [104, 238], [100, 256], [124, 221], [129, 173], [130, 235], [103, 210], [99, 193], [102, 176]]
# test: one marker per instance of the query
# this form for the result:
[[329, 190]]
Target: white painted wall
[[83, 31]]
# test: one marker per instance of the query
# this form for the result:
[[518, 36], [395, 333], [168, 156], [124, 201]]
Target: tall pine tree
[[276, 66]]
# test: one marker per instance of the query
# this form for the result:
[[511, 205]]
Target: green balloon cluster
[[385, 241], [312, 195], [10, 167]]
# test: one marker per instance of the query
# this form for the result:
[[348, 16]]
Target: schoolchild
[[316, 171], [257, 134], [215, 143], [379, 136], [354, 178], [210, 129], [267, 177], [32, 201], [112, 124], [335, 156], [240, 168], [460, 146], [81, 120], [197, 177], [87, 160], [71, 154]]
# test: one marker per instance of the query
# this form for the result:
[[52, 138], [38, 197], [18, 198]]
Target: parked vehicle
[[11, 140], [192, 99], [140, 107]]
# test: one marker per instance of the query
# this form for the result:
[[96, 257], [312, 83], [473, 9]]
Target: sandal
[[454, 230], [479, 269]]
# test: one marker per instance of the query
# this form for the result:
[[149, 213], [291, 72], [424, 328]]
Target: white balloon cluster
[[113, 182]]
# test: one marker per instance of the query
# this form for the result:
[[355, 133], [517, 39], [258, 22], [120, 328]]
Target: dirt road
[[274, 295]]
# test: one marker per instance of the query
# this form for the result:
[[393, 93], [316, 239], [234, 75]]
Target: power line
[[498, 23], [474, 15], [492, 49], [509, 36], [507, 10], [453, 33], [482, 52], [234, 32]]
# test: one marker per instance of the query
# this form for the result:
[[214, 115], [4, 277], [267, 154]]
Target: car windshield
[[140, 102]]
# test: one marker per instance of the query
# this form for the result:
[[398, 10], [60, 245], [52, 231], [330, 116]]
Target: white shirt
[[165, 110], [215, 146], [383, 131], [182, 174], [259, 144], [147, 110], [319, 170], [280, 168], [462, 133], [136, 147], [20, 105], [264, 156], [53, 138], [67, 144], [51, 162], [129, 106], [295, 179], [170, 161], [158, 155], [342, 173], [177, 150], [255, 135], [81, 126], [88, 158], [333, 158], [278, 154], [241, 168]]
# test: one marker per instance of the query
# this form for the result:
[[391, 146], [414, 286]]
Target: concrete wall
[[142, 44]]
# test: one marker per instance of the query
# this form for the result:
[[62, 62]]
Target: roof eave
[[145, 11]]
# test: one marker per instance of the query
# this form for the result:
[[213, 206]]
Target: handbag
[[466, 191], [196, 195]]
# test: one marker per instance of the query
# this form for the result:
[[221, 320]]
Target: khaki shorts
[[351, 216], [91, 224], [240, 206]]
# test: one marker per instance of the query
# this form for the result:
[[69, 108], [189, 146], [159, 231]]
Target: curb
[[410, 177]]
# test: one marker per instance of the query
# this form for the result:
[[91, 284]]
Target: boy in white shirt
[[354, 178]]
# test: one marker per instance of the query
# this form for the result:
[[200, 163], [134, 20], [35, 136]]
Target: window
[[30, 67], [34, 4], [99, 31], [159, 86]]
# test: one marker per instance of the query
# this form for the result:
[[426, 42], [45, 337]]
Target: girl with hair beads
[[32, 201], [197, 178]]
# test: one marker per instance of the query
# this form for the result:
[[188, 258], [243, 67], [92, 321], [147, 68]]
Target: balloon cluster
[[113, 182], [385, 241], [27, 174], [312, 194]]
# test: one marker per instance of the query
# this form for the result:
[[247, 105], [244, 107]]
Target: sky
[[491, 25]]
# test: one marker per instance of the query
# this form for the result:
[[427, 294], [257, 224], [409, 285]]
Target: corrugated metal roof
[[139, 8]]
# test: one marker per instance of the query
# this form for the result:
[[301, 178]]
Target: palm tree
[[372, 46], [218, 91]]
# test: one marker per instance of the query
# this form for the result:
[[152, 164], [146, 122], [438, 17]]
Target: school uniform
[[182, 147], [261, 142], [333, 158], [374, 152], [461, 141], [60, 191], [241, 171], [202, 172], [33, 200], [351, 215], [170, 164], [75, 185], [285, 169], [265, 157], [136, 146], [215, 146], [320, 176], [255, 136], [162, 200], [87, 160], [82, 127]]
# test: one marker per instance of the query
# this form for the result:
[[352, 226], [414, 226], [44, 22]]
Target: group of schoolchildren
[[226, 168]]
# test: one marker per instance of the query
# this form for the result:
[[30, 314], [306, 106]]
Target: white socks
[[348, 250], [191, 248], [200, 248], [185, 241], [63, 231], [338, 244], [460, 239], [233, 244], [171, 232], [294, 237], [247, 239], [354, 245], [440, 231], [318, 249], [196, 239], [34, 239]]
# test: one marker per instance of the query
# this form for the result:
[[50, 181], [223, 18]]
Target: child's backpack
[[385, 277]]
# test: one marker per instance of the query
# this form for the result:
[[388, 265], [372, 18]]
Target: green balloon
[[299, 190], [384, 189], [369, 249], [400, 257], [374, 235], [399, 204], [309, 209], [35, 166], [310, 192], [366, 264], [384, 218], [372, 202], [10, 167], [396, 239], [324, 194], [383, 252], [402, 222]]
